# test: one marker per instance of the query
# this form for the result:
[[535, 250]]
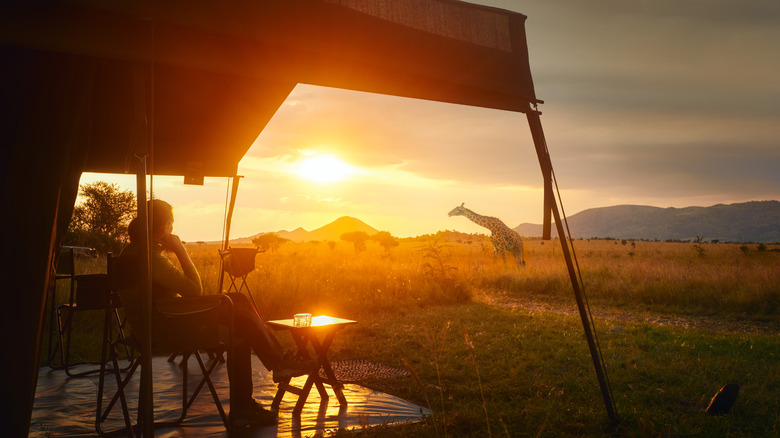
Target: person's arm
[[185, 282]]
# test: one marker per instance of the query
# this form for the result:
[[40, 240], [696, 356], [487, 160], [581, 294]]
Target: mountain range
[[331, 231], [755, 221]]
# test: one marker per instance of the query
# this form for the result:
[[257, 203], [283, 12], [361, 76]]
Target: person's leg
[[265, 345], [240, 373], [249, 323], [244, 409]]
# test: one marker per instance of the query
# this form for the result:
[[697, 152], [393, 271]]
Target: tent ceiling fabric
[[223, 68], [204, 122], [399, 47]]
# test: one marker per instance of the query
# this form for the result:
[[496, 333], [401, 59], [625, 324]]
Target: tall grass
[[717, 279], [314, 278], [662, 276]]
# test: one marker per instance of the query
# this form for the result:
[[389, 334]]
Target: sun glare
[[324, 168]]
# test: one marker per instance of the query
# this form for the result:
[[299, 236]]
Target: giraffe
[[503, 238]]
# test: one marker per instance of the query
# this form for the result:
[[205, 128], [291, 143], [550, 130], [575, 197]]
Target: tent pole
[[549, 204], [233, 194], [546, 164], [228, 220], [142, 144], [541, 151], [145, 405]]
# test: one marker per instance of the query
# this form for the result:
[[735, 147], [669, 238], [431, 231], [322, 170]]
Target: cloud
[[662, 102], [432, 139]]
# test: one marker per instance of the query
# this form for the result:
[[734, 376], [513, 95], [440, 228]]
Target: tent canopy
[[221, 69], [86, 84]]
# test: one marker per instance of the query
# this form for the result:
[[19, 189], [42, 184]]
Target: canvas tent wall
[[86, 84]]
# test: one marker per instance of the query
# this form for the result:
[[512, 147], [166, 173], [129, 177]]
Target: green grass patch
[[538, 379]]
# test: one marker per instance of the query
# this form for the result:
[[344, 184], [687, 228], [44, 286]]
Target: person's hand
[[171, 242]]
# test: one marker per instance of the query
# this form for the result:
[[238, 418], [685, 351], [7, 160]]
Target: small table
[[325, 326]]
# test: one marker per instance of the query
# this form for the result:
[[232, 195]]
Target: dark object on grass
[[722, 402]]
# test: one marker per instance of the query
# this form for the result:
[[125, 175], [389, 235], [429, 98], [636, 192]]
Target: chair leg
[[187, 400], [121, 385], [248, 292], [66, 331], [66, 350], [121, 335], [218, 356], [110, 351], [63, 335], [232, 284], [207, 378], [53, 324], [102, 415], [185, 356], [184, 372]]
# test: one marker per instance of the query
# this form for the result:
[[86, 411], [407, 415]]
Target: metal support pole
[[546, 164], [549, 203], [145, 404], [141, 149], [233, 194], [228, 220]]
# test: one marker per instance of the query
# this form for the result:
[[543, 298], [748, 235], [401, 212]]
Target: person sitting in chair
[[168, 281]]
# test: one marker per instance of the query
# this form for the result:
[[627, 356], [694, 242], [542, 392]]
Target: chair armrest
[[188, 305], [189, 323]]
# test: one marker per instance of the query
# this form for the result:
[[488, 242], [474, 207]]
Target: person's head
[[160, 221]]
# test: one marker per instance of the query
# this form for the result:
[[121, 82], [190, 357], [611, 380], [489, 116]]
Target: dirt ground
[[729, 324]]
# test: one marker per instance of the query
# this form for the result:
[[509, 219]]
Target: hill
[[755, 221], [331, 231]]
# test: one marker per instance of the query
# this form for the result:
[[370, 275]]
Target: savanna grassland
[[498, 351]]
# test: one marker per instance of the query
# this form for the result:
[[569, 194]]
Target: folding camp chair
[[190, 324], [92, 293], [66, 270], [238, 263]]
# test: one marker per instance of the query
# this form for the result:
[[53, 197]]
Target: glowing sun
[[324, 168]]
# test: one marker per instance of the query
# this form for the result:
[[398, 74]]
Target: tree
[[101, 217], [385, 239], [358, 238], [269, 241]]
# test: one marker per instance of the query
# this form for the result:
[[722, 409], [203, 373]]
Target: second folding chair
[[238, 263], [91, 293]]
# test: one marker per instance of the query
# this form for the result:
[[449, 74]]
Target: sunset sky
[[661, 103]]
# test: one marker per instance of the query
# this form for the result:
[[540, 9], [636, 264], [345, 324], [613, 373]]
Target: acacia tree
[[101, 217], [269, 241], [385, 239], [358, 238]]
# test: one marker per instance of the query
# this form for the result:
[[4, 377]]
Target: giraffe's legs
[[519, 260]]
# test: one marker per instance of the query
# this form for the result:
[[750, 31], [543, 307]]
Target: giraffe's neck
[[478, 219]]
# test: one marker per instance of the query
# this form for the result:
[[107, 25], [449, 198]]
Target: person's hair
[[159, 213]]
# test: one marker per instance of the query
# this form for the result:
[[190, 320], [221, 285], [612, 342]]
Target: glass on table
[[302, 320]]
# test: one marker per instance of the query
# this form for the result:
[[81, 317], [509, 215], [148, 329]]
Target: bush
[[101, 216]]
